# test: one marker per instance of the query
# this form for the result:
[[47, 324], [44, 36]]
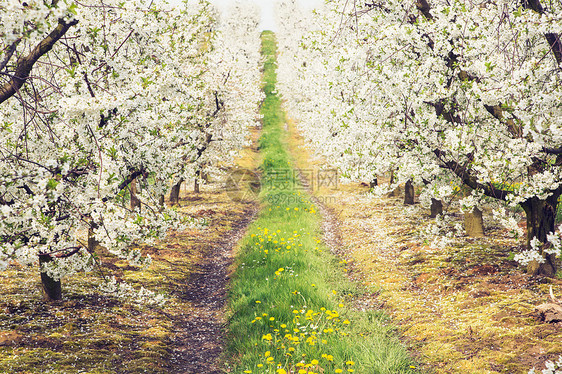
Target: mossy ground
[[466, 308], [87, 332]]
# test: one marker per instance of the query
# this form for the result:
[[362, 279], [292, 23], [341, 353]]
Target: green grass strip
[[289, 297]]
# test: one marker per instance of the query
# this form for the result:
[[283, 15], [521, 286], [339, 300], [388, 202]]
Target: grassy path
[[289, 296]]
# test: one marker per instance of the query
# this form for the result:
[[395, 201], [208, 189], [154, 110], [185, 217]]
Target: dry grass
[[463, 309]]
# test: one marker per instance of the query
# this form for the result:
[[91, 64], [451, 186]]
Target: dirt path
[[199, 332]]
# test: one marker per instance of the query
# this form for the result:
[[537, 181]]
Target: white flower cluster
[[441, 233], [508, 221], [114, 288], [551, 367], [553, 246]]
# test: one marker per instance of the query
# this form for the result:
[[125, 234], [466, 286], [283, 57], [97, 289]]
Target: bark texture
[[409, 193], [436, 207], [396, 192], [135, 201], [175, 193], [25, 64], [541, 219], [51, 287], [474, 223]]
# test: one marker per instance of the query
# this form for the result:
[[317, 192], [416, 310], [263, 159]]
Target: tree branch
[[126, 182], [470, 180], [25, 64]]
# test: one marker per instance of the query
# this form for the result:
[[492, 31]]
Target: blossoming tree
[[101, 104], [448, 91]]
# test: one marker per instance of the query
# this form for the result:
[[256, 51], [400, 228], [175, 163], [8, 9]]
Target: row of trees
[[438, 93], [102, 105]]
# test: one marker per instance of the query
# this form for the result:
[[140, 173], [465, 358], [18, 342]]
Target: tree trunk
[[135, 201], [436, 207], [51, 287], [175, 193], [196, 182], [92, 242], [541, 218], [474, 223], [396, 191], [409, 193]]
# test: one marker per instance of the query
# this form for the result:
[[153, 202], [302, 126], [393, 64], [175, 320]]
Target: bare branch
[[25, 64]]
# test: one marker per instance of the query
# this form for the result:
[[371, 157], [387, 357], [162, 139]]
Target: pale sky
[[267, 16], [268, 19]]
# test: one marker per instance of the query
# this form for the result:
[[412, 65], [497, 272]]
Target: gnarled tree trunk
[[474, 223], [396, 192], [436, 207], [196, 184], [541, 217], [92, 242], [409, 193], [135, 201], [175, 193], [51, 287]]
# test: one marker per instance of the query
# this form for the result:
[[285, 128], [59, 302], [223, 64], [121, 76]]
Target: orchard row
[[104, 106], [447, 95]]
